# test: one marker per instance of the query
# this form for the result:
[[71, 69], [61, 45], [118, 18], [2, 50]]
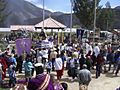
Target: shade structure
[[50, 23], [22, 27]]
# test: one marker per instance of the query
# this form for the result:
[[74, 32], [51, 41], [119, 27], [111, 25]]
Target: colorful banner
[[46, 44], [23, 45]]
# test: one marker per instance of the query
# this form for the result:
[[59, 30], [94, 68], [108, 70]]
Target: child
[[12, 77], [28, 68], [48, 66]]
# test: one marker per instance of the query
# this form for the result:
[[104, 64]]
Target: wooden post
[[58, 37], [62, 35]]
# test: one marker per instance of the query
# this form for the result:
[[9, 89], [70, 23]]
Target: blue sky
[[64, 5]]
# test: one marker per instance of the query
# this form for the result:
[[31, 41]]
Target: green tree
[[84, 10], [106, 18], [2, 15]]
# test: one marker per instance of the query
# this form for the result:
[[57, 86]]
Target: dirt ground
[[106, 81]]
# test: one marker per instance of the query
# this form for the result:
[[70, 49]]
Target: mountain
[[118, 7], [19, 11], [23, 12]]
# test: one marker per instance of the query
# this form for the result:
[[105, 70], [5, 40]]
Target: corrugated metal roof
[[50, 23]]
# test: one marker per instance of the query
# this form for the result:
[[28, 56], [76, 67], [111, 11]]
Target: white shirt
[[0, 68], [96, 50], [58, 64], [88, 48]]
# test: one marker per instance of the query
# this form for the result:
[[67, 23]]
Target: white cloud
[[46, 8]]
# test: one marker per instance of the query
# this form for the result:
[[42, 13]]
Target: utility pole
[[71, 21], [43, 14], [94, 21]]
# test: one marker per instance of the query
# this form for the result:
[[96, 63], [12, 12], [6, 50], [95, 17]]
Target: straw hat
[[39, 64]]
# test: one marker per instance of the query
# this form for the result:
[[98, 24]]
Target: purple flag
[[19, 47], [28, 44], [23, 45]]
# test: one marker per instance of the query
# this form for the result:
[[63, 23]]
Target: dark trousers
[[32, 71], [19, 67], [48, 70], [118, 68], [73, 72], [110, 63], [44, 61], [53, 60], [98, 70], [12, 82]]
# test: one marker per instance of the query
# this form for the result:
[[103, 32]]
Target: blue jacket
[[28, 66]]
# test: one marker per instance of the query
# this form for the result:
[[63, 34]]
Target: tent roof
[[50, 23], [4, 29], [23, 27]]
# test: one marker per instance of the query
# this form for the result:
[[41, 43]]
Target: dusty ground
[[106, 81]]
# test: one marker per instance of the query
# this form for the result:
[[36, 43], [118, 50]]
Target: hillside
[[19, 11], [23, 12]]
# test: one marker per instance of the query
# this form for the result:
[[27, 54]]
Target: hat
[[39, 64], [84, 66]]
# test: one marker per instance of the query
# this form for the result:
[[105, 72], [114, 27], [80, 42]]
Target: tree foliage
[[84, 10], [106, 18], [2, 15]]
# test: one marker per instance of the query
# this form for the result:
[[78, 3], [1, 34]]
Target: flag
[[28, 44], [19, 47], [23, 45]]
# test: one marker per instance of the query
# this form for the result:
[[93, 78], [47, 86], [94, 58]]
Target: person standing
[[110, 58], [4, 66], [58, 67], [28, 68], [99, 62], [82, 61], [118, 66], [88, 48], [49, 66], [19, 60], [63, 57], [84, 77], [53, 56], [96, 50], [12, 76], [74, 63]]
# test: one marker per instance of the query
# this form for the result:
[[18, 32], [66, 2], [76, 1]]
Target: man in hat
[[42, 81], [84, 77]]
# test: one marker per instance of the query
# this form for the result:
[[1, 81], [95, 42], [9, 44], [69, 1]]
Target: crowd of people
[[77, 60]]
